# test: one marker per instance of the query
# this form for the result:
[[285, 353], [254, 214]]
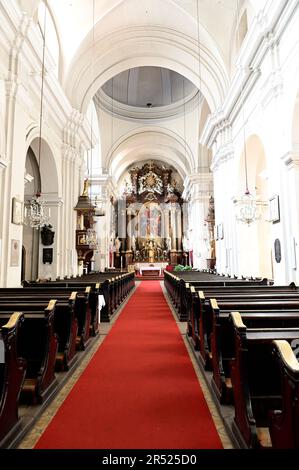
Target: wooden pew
[[196, 298], [113, 288], [37, 344], [105, 288], [246, 301], [178, 285], [81, 304], [256, 380], [12, 375], [222, 338], [65, 319], [284, 421]]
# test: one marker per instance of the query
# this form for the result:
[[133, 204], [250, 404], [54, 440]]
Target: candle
[[121, 262]]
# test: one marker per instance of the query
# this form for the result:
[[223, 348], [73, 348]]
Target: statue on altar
[[151, 251], [168, 243], [133, 243], [117, 245]]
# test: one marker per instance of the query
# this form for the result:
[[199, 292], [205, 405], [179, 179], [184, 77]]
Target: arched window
[[52, 42]]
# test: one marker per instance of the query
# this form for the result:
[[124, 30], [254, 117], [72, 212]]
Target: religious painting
[[17, 211], [150, 221], [15, 253]]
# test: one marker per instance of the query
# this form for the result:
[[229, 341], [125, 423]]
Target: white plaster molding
[[272, 88], [291, 159], [11, 85], [77, 131], [104, 102], [52, 200], [3, 164], [26, 55], [198, 186], [28, 178], [222, 156], [169, 45], [265, 30]]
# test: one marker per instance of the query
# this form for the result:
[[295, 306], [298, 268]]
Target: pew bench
[[65, 320], [256, 380], [197, 298], [12, 375], [37, 344], [231, 303], [222, 340], [284, 421]]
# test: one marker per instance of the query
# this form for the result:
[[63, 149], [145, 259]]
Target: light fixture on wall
[[36, 214]]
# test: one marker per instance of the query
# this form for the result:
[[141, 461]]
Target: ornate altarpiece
[[153, 217]]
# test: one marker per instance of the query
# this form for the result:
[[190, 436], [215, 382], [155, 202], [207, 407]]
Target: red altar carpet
[[139, 390]]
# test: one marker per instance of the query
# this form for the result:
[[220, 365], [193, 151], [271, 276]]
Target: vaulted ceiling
[[194, 38]]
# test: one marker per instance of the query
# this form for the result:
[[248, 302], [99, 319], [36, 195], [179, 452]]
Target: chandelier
[[248, 208], [36, 214]]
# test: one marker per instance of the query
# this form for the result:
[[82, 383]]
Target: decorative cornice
[[223, 155], [105, 182], [52, 200], [106, 103], [197, 186]]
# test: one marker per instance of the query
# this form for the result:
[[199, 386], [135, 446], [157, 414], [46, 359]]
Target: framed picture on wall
[[17, 211], [15, 253], [274, 210]]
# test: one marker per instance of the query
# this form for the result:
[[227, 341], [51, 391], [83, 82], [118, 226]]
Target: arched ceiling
[[75, 18], [93, 52]]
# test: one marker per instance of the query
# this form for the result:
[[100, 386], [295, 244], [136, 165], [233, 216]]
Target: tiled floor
[[32, 437]]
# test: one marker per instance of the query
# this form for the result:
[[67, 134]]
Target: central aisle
[[139, 390]]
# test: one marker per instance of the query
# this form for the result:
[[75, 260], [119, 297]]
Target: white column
[[199, 191], [224, 177], [71, 168]]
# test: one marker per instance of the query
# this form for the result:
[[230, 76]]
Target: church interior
[[149, 224]]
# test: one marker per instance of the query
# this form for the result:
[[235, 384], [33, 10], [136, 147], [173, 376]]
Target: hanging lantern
[[37, 214], [248, 208]]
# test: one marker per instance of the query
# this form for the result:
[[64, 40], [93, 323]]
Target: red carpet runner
[[139, 390]]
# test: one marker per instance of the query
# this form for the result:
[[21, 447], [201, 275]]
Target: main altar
[[149, 269], [149, 220]]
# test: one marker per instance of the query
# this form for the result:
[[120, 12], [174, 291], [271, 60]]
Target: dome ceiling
[[145, 87]]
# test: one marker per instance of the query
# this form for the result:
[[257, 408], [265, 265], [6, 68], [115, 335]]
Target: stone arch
[[49, 169], [154, 143]]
